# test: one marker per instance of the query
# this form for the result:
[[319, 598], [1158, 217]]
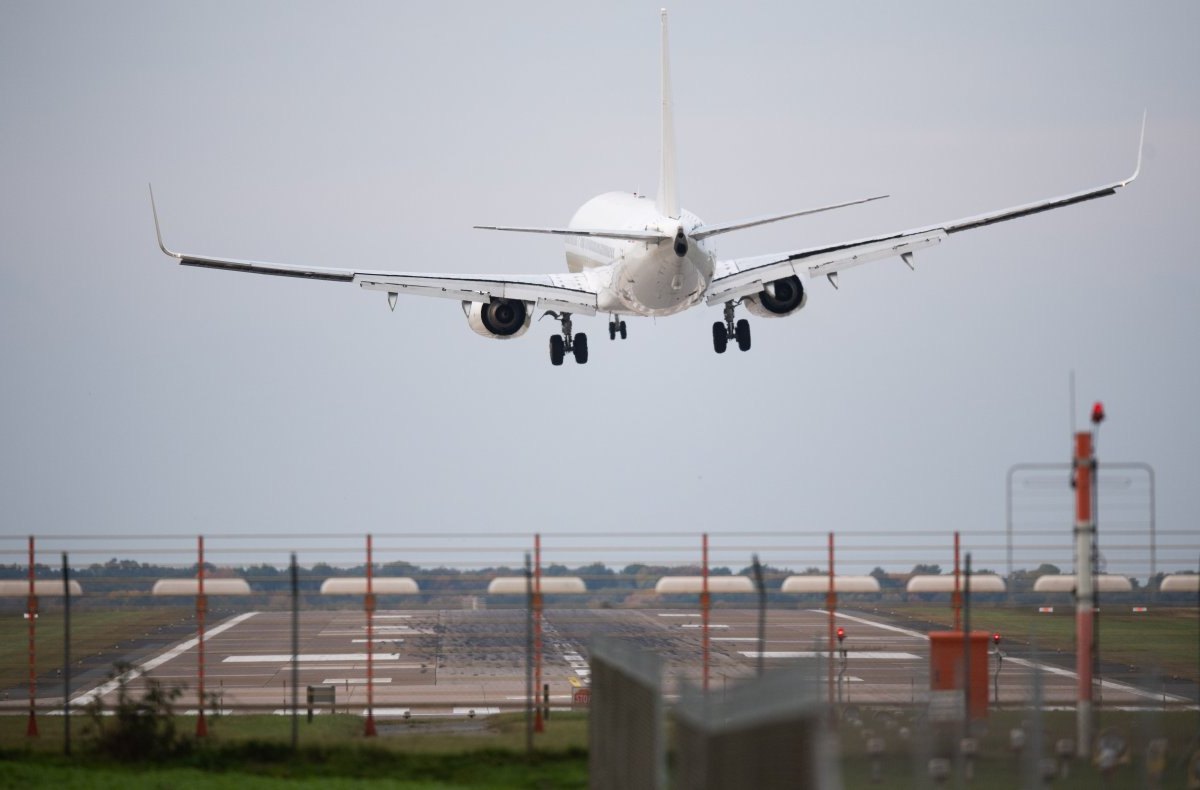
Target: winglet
[[1141, 146], [157, 230]]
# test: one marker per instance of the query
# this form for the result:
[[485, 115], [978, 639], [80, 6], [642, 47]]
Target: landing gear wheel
[[621, 329], [556, 350], [720, 337], [580, 348], [742, 332], [612, 330]]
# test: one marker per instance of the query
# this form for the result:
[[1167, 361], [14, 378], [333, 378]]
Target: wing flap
[[568, 292]]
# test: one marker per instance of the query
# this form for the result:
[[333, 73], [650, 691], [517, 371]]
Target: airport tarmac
[[453, 662]]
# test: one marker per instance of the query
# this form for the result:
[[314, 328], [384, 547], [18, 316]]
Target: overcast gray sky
[[140, 396]]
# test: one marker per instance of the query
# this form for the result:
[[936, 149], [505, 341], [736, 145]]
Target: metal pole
[[31, 730], [66, 577], [369, 602], [956, 598], [295, 573], [762, 613], [538, 722], [831, 606], [705, 604], [201, 606], [1008, 530], [1084, 591], [528, 656]]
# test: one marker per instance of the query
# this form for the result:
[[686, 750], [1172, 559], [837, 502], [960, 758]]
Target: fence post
[[66, 577]]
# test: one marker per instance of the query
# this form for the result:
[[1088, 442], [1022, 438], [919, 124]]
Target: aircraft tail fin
[[667, 201]]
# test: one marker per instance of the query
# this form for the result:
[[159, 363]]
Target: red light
[[841, 634], [996, 639], [1097, 413]]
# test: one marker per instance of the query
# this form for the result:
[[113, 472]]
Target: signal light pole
[[1085, 593]]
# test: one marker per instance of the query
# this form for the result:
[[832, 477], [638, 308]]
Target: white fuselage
[[636, 277]]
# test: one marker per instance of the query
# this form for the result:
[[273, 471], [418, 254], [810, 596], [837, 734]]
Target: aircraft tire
[[720, 339], [612, 330], [622, 329], [742, 332], [580, 349], [556, 350]]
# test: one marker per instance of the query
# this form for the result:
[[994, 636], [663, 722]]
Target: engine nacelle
[[500, 319], [778, 298]]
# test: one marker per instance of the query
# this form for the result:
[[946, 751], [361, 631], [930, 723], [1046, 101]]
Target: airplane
[[628, 255]]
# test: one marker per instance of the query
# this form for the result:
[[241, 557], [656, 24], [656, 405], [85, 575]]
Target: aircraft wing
[[740, 277], [567, 292]]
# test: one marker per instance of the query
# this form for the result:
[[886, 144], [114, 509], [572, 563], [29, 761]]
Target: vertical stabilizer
[[667, 201]]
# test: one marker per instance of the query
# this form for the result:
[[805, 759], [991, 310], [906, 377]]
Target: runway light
[[841, 635], [996, 640], [1097, 413]]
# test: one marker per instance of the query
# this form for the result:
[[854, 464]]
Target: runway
[[455, 662]]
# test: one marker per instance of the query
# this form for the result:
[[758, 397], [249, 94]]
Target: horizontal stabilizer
[[628, 235], [704, 231]]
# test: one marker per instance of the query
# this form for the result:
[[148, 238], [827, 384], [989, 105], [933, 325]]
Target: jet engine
[[500, 319], [778, 298]]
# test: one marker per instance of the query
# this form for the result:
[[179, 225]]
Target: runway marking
[[353, 681], [672, 614], [1112, 685], [1053, 670], [157, 661], [393, 617], [874, 624], [478, 711], [698, 625], [755, 639], [380, 639], [552, 696], [286, 658], [877, 655]]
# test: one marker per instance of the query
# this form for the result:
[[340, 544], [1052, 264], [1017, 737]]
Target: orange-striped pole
[[1085, 592], [831, 605], [201, 607], [369, 606]]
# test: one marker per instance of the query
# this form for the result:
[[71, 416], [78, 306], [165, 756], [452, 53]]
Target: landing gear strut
[[724, 331], [616, 327], [567, 343]]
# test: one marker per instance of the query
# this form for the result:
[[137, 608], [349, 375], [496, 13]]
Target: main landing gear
[[615, 327], [724, 331], [567, 343]]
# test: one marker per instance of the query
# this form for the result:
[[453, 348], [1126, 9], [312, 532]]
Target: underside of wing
[[567, 292]]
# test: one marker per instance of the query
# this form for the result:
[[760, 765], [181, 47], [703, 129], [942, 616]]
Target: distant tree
[[921, 570]]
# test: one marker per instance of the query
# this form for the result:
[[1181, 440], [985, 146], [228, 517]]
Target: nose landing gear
[[616, 327], [567, 343], [724, 331]]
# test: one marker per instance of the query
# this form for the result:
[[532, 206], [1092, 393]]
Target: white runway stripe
[[286, 658], [159, 660], [879, 656]]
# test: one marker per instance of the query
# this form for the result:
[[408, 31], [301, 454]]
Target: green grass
[[255, 751], [1163, 640], [250, 752], [94, 634]]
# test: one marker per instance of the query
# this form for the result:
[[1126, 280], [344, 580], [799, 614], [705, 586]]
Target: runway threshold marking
[[286, 658], [159, 660], [877, 655]]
